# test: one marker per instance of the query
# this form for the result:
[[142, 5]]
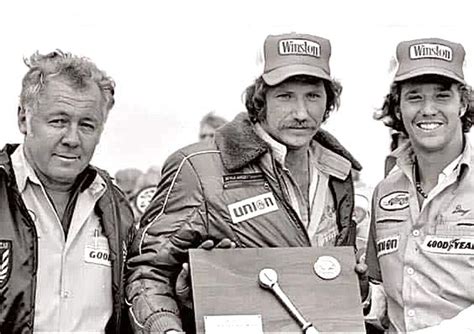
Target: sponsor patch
[[243, 177], [97, 256], [144, 198], [431, 50], [252, 207], [387, 245], [6, 259], [397, 200], [449, 245], [302, 47], [460, 211]]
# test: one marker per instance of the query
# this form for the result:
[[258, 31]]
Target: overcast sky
[[174, 61]]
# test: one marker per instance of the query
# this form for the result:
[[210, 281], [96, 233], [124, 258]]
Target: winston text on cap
[[428, 50], [299, 47]]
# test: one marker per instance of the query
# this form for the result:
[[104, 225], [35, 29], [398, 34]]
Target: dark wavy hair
[[254, 96], [390, 110]]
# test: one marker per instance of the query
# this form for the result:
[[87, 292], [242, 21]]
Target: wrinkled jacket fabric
[[198, 184], [17, 288]]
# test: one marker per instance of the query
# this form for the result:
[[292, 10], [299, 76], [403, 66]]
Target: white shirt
[[319, 215]]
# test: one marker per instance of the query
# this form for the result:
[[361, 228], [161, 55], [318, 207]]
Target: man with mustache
[[421, 245], [63, 224], [270, 178]]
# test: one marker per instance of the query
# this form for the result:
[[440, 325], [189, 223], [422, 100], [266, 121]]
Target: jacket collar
[[240, 145]]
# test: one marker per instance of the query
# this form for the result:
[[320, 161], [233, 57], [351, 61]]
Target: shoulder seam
[[173, 182]]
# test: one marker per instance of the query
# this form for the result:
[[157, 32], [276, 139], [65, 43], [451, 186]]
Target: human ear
[[22, 120]]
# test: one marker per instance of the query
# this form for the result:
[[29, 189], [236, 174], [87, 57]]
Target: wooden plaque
[[225, 282]]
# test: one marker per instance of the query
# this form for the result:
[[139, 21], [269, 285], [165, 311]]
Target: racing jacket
[[19, 251], [213, 191]]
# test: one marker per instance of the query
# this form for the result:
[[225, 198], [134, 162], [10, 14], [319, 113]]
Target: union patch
[[449, 245], [397, 200], [387, 245], [252, 207], [6, 259]]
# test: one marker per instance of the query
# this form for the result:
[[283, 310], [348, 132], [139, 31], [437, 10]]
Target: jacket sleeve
[[174, 222], [371, 257]]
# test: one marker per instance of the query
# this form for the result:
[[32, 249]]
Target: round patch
[[327, 267], [144, 197]]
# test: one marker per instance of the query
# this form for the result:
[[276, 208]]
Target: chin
[[431, 144]]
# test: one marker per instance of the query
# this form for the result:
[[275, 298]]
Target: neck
[[296, 157], [431, 164]]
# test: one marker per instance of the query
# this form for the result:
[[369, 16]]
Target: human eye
[[57, 122], [88, 126], [313, 96], [413, 97], [444, 95], [283, 96]]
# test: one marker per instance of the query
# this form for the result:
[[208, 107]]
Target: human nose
[[300, 109], [71, 136], [429, 108]]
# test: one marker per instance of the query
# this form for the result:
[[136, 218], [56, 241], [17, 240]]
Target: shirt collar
[[278, 150], [24, 173], [22, 168], [405, 156], [322, 158]]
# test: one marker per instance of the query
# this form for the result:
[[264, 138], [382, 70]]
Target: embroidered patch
[[252, 207], [460, 211], [387, 245], [300, 47], [243, 177], [97, 256], [329, 236], [6, 259], [243, 180], [397, 200], [144, 197], [431, 50], [449, 245]]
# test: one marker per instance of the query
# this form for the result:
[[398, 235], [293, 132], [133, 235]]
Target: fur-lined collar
[[240, 145]]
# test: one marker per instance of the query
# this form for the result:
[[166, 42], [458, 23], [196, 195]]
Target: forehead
[[307, 82], [59, 91], [427, 85]]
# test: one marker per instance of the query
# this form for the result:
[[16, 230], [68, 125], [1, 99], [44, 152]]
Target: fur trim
[[240, 145]]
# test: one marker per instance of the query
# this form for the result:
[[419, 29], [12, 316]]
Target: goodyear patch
[[387, 245], [6, 260], [252, 207], [449, 245], [97, 255], [397, 200]]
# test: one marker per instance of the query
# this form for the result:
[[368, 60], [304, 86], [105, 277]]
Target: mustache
[[299, 125]]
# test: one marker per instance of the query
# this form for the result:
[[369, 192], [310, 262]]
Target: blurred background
[[176, 61]]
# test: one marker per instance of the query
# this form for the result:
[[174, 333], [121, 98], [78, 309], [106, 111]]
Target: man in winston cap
[[421, 244], [274, 159]]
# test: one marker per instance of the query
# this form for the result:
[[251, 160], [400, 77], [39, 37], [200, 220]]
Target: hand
[[183, 281], [361, 270]]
